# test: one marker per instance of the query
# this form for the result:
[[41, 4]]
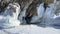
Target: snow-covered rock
[[9, 17]]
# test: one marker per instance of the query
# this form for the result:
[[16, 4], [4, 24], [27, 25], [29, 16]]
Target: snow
[[30, 29]]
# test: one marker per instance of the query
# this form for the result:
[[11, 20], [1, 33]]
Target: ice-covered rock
[[40, 12], [9, 17], [50, 16]]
